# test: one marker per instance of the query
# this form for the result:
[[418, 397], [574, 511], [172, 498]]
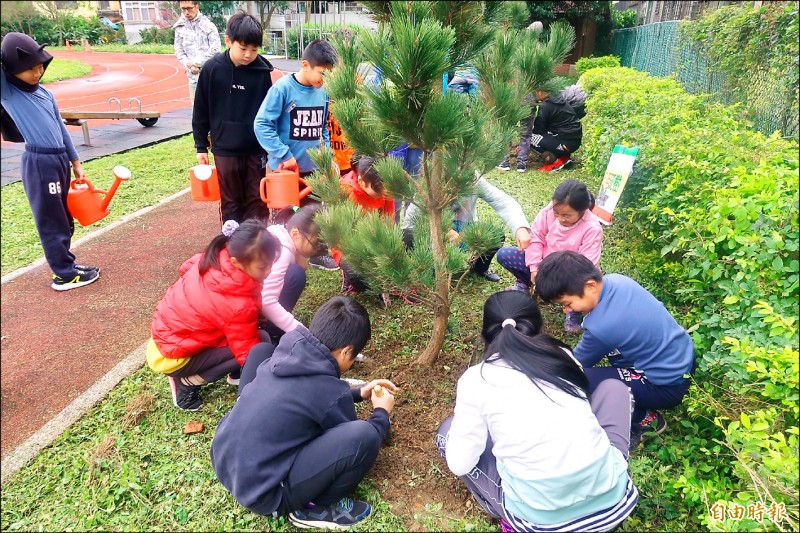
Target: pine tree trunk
[[441, 310]]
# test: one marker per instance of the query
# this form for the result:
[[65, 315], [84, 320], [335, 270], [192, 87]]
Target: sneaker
[[186, 397], [518, 286], [347, 287], [572, 323], [232, 380], [521, 169], [561, 162], [489, 275], [407, 298], [79, 280], [558, 164], [503, 166], [86, 268], [653, 422], [341, 515], [323, 262]]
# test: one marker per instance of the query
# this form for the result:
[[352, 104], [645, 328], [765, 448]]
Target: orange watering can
[[88, 204], [205, 185], [281, 188]]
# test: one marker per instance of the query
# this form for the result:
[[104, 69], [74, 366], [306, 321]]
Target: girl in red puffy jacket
[[206, 323]]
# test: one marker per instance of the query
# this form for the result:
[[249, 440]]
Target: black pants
[[328, 467], [45, 180], [239, 182], [545, 141], [214, 363]]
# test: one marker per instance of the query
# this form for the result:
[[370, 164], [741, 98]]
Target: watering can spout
[[120, 174]]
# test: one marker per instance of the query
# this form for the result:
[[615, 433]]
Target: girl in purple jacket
[[567, 223]]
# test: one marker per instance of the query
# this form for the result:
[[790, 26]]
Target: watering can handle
[[263, 189], [307, 190]]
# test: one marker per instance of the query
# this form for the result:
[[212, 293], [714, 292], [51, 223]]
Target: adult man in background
[[196, 41]]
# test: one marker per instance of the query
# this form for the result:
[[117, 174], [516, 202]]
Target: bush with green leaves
[[44, 30], [585, 63], [719, 203], [157, 35]]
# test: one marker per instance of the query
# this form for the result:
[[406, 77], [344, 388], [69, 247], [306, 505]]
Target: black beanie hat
[[21, 52]]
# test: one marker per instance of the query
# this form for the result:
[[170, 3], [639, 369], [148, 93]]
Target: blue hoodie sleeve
[[590, 350], [343, 410], [266, 124]]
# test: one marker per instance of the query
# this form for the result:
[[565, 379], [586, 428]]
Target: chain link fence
[[768, 101]]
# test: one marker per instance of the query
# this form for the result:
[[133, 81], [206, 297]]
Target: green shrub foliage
[[585, 63], [720, 204]]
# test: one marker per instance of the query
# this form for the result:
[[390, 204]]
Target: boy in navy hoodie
[[230, 90], [294, 118], [292, 444], [647, 349]]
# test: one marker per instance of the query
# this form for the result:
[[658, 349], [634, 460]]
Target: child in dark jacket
[[206, 323], [647, 349], [293, 437], [30, 114], [230, 90], [556, 129]]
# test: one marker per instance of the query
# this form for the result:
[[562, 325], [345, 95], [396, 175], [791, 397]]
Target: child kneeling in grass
[[648, 350], [528, 440], [292, 444], [207, 322]]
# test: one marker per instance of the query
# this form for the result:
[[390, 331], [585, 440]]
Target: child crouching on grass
[[292, 444], [207, 322], [365, 188], [567, 223], [648, 350]]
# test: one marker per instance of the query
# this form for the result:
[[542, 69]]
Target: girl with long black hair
[[530, 444]]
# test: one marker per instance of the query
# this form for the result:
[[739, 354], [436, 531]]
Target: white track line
[[28, 450], [86, 238]]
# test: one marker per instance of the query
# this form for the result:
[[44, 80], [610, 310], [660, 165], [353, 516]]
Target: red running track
[[157, 80]]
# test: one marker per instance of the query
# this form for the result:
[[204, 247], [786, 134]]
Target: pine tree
[[461, 138]]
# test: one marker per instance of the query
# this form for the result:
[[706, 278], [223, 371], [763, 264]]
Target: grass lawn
[[64, 69], [127, 465], [148, 184]]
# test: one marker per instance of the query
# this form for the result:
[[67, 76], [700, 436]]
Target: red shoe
[[558, 164]]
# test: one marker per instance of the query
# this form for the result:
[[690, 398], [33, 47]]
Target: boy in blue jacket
[[294, 117], [647, 349], [292, 444]]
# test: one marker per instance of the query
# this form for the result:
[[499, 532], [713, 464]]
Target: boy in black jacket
[[292, 444], [230, 90], [556, 129]]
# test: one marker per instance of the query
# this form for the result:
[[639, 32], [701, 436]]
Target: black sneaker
[[79, 280], [341, 515], [489, 275], [653, 422], [505, 167], [323, 262], [186, 397], [86, 268]]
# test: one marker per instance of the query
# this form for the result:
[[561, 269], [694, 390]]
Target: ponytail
[[247, 242], [511, 330]]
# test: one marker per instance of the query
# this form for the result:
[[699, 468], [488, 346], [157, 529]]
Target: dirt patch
[[410, 473]]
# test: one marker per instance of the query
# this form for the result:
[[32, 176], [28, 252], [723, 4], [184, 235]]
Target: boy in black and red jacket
[[230, 90]]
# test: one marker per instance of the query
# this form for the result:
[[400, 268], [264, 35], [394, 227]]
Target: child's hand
[[384, 401], [453, 236], [523, 236], [202, 158], [77, 170], [366, 390], [290, 164], [533, 279]]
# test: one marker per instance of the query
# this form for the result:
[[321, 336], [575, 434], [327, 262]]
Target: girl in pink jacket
[[299, 238], [565, 224]]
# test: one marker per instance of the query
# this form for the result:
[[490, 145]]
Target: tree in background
[[460, 137], [58, 12], [18, 16], [267, 8]]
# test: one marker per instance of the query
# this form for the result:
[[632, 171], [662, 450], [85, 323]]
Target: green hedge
[[585, 63], [720, 203]]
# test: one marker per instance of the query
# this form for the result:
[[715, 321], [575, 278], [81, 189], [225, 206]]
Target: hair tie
[[229, 227], [508, 321]]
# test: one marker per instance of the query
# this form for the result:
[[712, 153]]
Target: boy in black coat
[[230, 90], [556, 129], [292, 444]]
